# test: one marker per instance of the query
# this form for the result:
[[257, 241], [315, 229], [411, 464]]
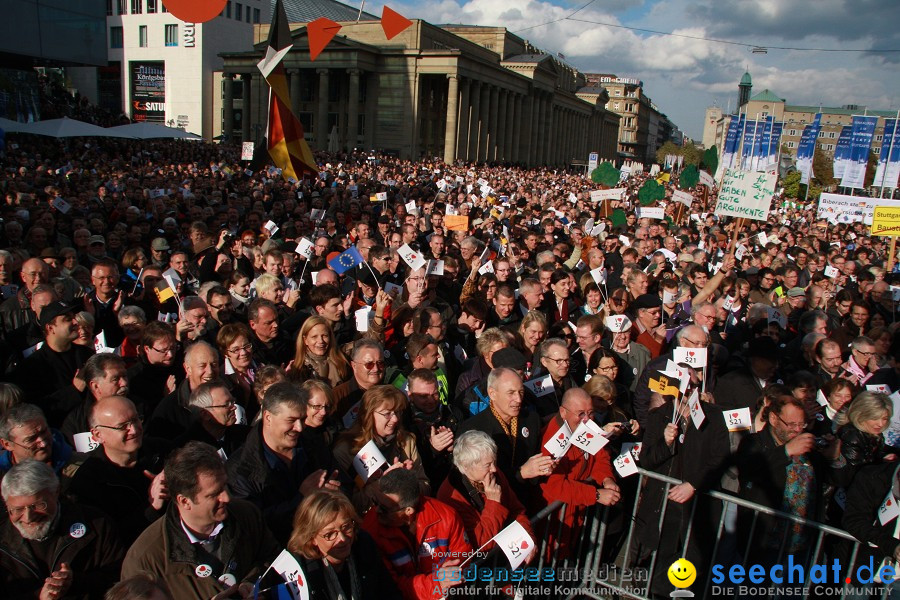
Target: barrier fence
[[600, 566]]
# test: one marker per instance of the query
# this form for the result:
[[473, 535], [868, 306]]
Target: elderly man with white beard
[[49, 547]]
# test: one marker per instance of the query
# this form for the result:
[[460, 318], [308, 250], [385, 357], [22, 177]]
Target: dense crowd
[[205, 365]]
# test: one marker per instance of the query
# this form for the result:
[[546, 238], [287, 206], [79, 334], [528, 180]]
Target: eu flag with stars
[[346, 260]]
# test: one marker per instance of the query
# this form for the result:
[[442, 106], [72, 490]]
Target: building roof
[[304, 11], [839, 111], [745, 80], [766, 96], [588, 89], [527, 58]]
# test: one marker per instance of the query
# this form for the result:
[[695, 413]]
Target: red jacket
[[439, 536], [482, 526], [574, 481], [568, 481]]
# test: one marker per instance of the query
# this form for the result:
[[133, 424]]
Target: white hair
[[472, 447], [28, 478]]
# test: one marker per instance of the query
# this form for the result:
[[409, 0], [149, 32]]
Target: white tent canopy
[[147, 131], [65, 127], [12, 126]]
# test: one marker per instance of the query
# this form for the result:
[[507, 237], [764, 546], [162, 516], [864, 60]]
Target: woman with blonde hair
[[533, 330], [861, 428], [339, 559], [380, 418], [317, 354]]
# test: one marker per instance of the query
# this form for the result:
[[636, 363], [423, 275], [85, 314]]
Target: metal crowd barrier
[[582, 573]]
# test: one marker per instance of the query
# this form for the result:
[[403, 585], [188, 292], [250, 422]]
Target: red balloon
[[195, 11]]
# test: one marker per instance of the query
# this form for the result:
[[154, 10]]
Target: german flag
[[288, 149], [163, 291]]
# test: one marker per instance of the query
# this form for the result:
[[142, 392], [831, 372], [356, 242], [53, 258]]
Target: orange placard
[[393, 22], [456, 222], [195, 11]]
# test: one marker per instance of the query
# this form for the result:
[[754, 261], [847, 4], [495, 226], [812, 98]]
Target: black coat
[[120, 492], [864, 498], [275, 491], [94, 558], [375, 583], [738, 389], [46, 377], [510, 458]]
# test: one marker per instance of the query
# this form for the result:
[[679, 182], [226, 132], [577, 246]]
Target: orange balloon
[[195, 11]]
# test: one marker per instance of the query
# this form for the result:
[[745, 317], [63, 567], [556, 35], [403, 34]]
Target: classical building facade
[[457, 92]]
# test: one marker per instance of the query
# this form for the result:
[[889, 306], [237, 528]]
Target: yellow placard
[[886, 221]]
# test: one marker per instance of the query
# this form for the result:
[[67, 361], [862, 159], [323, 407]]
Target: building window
[[116, 37], [790, 144], [256, 15], [121, 9], [829, 146], [151, 6], [228, 10], [878, 138], [306, 119], [171, 35], [360, 125], [109, 10], [238, 10], [832, 134], [876, 150], [142, 36], [792, 132], [248, 14], [137, 7], [616, 106]]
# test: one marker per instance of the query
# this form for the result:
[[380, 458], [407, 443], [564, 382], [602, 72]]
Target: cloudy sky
[[683, 76]]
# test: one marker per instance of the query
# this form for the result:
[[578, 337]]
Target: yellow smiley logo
[[682, 573]]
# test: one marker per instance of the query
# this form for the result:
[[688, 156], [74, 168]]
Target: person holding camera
[[786, 468], [433, 422]]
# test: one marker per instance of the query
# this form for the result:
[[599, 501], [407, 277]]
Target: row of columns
[[321, 110], [486, 122]]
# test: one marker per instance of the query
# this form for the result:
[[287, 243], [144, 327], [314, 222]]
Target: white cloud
[[683, 75]]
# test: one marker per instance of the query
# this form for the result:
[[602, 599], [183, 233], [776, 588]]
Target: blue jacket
[[59, 455]]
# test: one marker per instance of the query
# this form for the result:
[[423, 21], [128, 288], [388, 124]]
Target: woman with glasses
[[234, 345], [319, 426], [609, 364], [380, 418], [340, 560], [317, 355], [479, 492]]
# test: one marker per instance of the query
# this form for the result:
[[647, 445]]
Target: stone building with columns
[[457, 92]]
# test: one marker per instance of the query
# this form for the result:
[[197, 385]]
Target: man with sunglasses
[[123, 475], [368, 365]]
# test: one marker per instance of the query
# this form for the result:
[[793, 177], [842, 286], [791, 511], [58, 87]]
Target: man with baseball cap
[[159, 249], [48, 375]]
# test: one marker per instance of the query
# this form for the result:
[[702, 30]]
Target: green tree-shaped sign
[[618, 218], [650, 192], [711, 160], [605, 174], [689, 177]]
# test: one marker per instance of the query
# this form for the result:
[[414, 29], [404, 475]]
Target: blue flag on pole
[[346, 261]]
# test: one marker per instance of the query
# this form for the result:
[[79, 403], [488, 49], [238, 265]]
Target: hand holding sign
[[515, 543]]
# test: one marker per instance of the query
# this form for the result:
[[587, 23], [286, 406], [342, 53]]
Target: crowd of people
[[200, 359]]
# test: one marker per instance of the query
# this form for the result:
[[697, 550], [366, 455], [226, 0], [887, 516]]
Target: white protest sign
[[727, 303], [411, 207], [290, 570], [487, 267], [381, 196], [558, 445], [625, 464], [540, 387], [515, 543], [763, 238], [599, 275], [831, 272], [889, 509], [683, 197], [411, 257], [435, 267], [363, 316], [707, 179], [776, 316], [879, 388], [247, 151], [850, 209], [745, 195], [697, 414], [613, 194], [271, 227], [617, 323], [653, 212], [692, 357], [305, 248], [350, 417], [85, 441], [589, 437], [61, 205], [738, 419], [368, 460], [317, 214], [390, 288]]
